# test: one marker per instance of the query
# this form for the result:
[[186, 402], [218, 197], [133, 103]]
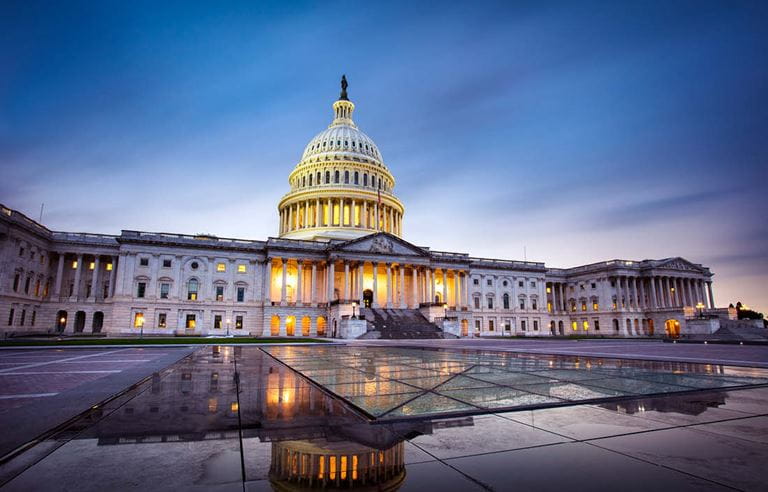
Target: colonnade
[[389, 284], [79, 262], [636, 293], [340, 212]]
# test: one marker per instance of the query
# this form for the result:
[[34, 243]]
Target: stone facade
[[154, 283]]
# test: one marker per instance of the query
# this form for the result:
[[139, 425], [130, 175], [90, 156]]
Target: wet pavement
[[237, 418]]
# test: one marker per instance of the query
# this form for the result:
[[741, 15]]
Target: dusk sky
[[578, 132]]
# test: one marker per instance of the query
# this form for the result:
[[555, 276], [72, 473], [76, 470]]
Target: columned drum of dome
[[341, 188]]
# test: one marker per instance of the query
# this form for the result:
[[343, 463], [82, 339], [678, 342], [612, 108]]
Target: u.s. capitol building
[[339, 254]]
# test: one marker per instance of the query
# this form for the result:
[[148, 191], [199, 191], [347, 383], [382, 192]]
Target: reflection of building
[[684, 404], [341, 229]]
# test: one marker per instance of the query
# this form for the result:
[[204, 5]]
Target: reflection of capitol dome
[[341, 188], [317, 463]]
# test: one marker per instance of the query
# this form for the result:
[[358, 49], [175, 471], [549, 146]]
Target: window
[[533, 285], [549, 290], [21, 251], [221, 267], [357, 177], [91, 265], [34, 315], [219, 292], [534, 304], [336, 176], [365, 176], [192, 290], [109, 267], [574, 326], [144, 261], [241, 294], [191, 321], [327, 177], [74, 265], [217, 321], [138, 320], [522, 324], [613, 303], [535, 325], [475, 281], [10, 317], [166, 263], [238, 322], [522, 303], [161, 320], [165, 288], [507, 325], [88, 290], [583, 305], [26, 285], [595, 306], [16, 279], [585, 325], [141, 289], [504, 283], [490, 303], [520, 284], [477, 325], [242, 269], [596, 322], [594, 285], [505, 299], [194, 265], [346, 177], [489, 282], [490, 325], [477, 303]]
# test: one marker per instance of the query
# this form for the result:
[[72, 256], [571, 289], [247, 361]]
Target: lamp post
[[700, 307], [62, 324], [228, 322], [354, 305]]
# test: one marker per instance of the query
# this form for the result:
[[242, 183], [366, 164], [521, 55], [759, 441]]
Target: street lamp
[[228, 322], [700, 307], [354, 305]]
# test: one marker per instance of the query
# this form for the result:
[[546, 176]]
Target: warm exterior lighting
[[241, 269], [92, 265], [221, 267], [234, 406], [109, 267], [62, 320], [74, 265]]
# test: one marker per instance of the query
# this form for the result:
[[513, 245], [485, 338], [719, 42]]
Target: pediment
[[679, 264], [382, 243]]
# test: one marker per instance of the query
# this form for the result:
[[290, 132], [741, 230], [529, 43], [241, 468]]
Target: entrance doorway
[[61, 321], [367, 298], [464, 328], [672, 327]]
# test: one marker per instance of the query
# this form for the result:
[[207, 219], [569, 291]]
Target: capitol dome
[[340, 189]]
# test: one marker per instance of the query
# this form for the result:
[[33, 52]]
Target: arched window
[[365, 179], [373, 181], [303, 181], [192, 286], [318, 177], [327, 177], [506, 300], [310, 180], [357, 177], [346, 177], [336, 177]]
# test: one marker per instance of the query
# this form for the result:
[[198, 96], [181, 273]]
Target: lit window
[[191, 322], [92, 265], [192, 290], [585, 325], [221, 267], [583, 305], [238, 322], [109, 267], [242, 269], [161, 320], [549, 290], [595, 306], [575, 326], [217, 321], [138, 320], [74, 265]]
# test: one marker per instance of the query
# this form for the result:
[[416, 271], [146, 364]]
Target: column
[[465, 284], [346, 281], [95, 277], [76, 291], [331, 275], [444, 273], [290, 217], [634, 293], [456, 297], [391, 227], [364, 215], [654, 300], [427, 284], [284, 286], [415, 286], [112, 272], [59, 275], [330, 214], [641, 293], [313, 285], [710, 295], [300, 279], [403, 304], [375, 284], [341, 212], [268, 281], [360, 276], [306, 214], [122, 264], [389, 285]]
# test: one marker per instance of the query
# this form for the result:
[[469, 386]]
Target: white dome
[[342, 141]]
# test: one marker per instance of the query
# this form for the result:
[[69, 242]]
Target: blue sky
[[578, 132]]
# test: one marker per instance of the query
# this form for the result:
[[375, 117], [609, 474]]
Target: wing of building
[[339, 267]]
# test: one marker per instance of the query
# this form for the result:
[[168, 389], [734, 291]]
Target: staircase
[[394, 324]]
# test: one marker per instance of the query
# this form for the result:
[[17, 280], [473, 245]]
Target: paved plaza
[[279, 417]]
